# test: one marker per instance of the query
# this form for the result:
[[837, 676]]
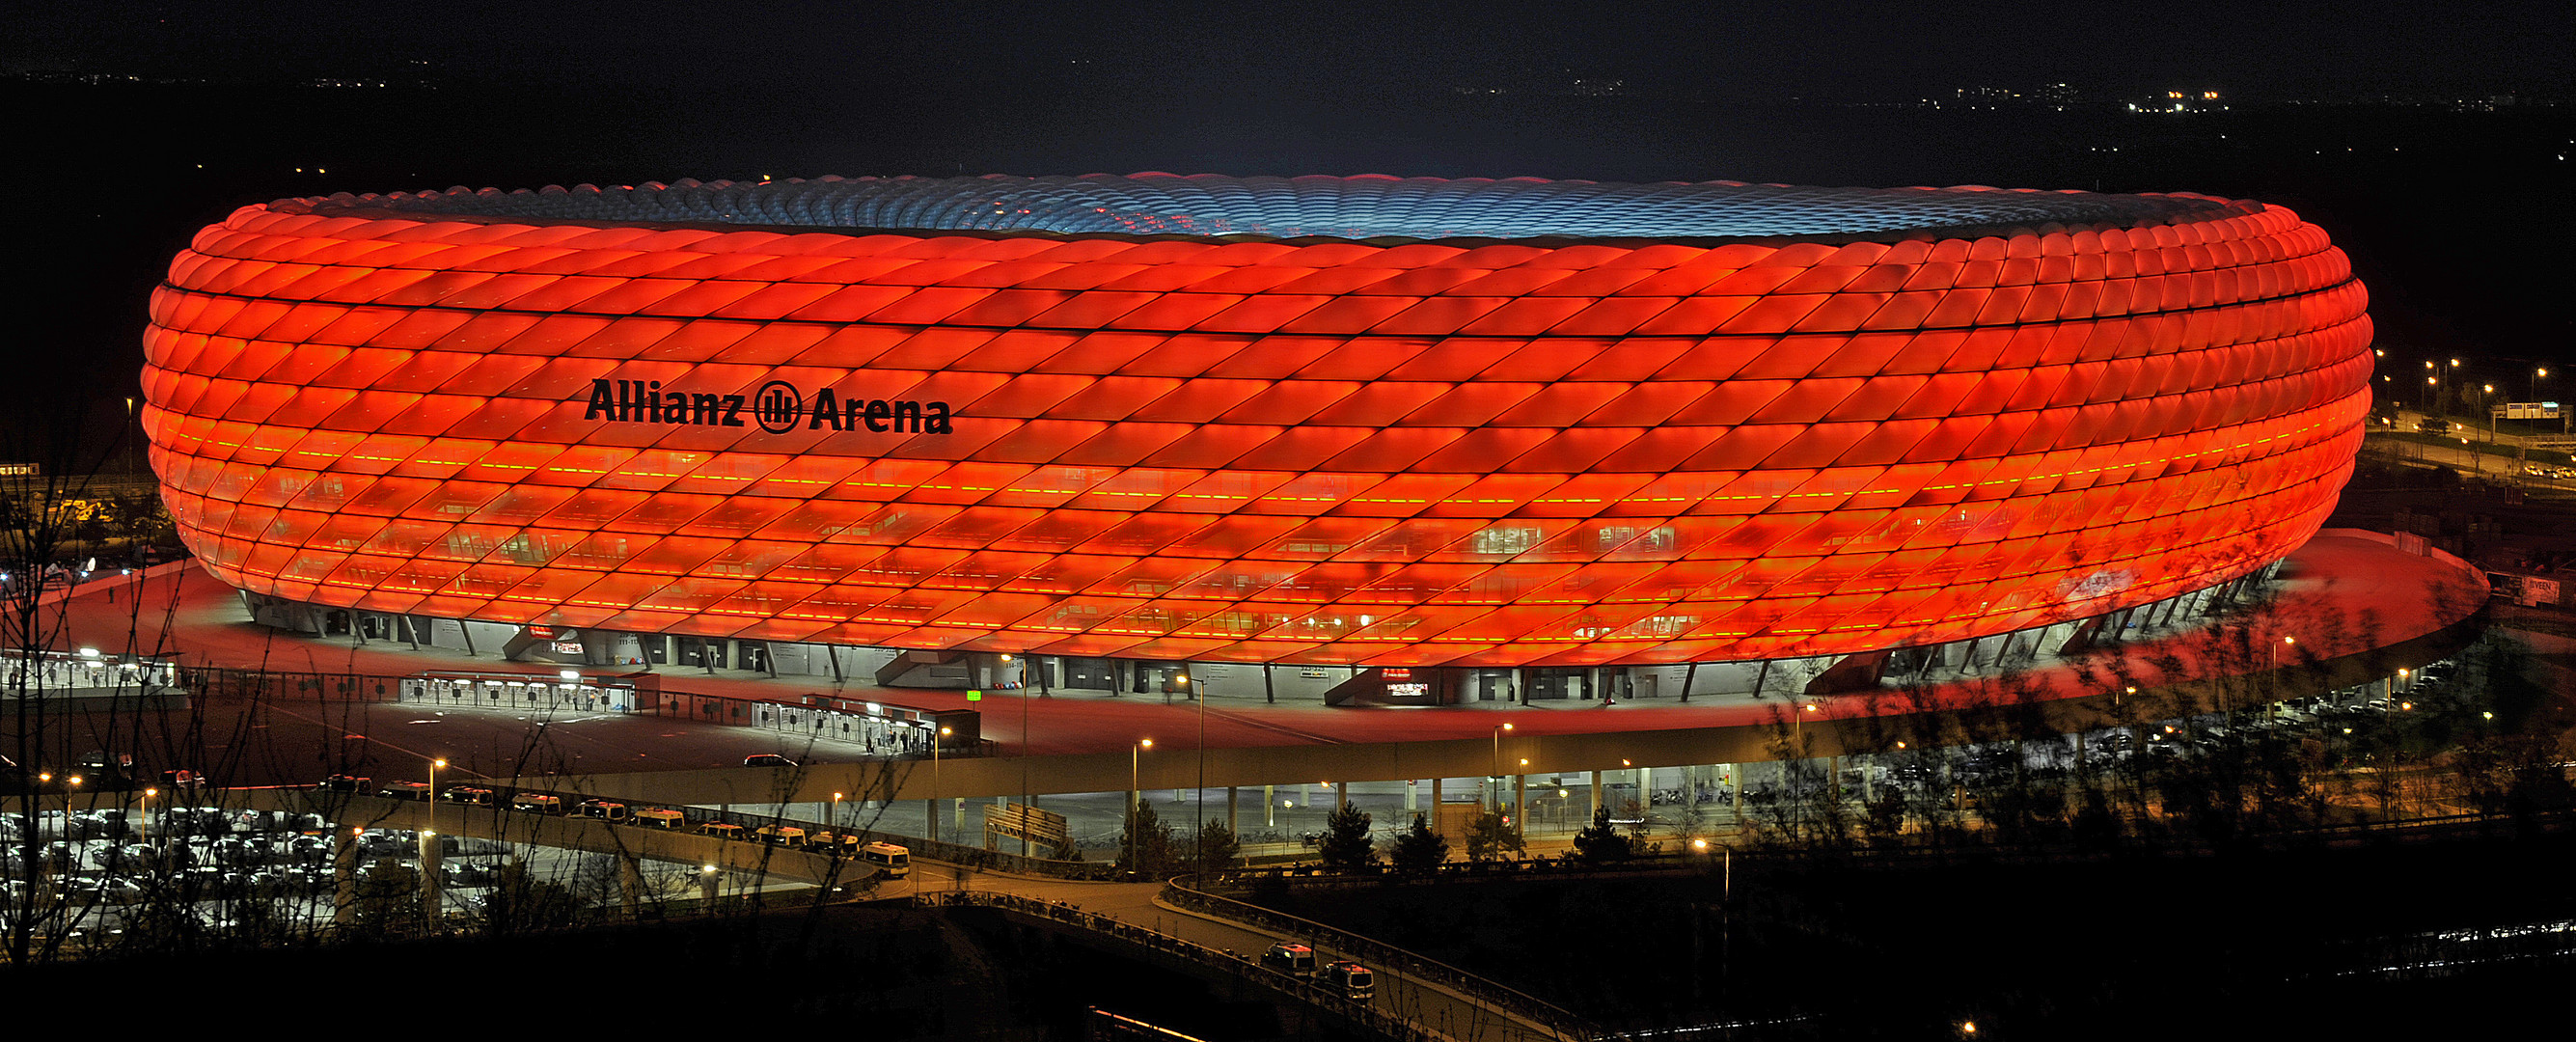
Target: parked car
[[406, 790], [604, 810], [472, 795], [722, 830], [767, 760], [780, 835]]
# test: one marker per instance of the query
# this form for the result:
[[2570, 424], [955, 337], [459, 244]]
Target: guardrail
[[1551, 1017], [1183, 954]]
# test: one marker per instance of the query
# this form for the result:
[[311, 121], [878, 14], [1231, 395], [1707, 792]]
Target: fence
[[1174, 953], [1181, 893]]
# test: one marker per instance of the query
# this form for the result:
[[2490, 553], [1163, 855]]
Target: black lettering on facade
[[644, 401]]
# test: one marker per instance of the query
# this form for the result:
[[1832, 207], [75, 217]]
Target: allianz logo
[[778, 407]]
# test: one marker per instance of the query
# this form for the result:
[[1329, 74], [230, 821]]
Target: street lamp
[[434, 765], [1198, 798], [1135, 795], [836, 810], [1520, 796], [147, 815], [936, 785], [1498, 765]]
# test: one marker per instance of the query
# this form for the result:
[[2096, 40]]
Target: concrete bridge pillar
[[431, 869], [344, 877], [630, 885]]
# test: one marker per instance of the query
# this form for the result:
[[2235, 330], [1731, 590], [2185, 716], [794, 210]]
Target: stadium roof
[[1366, 207]]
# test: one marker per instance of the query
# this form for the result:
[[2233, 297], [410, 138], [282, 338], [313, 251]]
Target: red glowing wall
[[1253, 451]]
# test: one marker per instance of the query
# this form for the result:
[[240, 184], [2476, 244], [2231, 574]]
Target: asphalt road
[[1438, 1008]]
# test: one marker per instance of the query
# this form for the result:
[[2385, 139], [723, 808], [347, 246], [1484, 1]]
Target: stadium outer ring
[[1526, 453]]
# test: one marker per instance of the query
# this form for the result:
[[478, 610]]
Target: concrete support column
[[630, 885], [1735, 789], [1596, 792], [930, 819], [344, 876], [1520, 801], [1435, 805], [1412, 800], [1232, 806], [431, 869], [1269, 806], [1341, 794]]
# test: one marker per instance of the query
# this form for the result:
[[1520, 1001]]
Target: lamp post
[[1135, 796], [1498, 765], [2491, 411], [432, 794], [147, 815], [836, 810], [1198, 798], [1520, 798], [934, 783]]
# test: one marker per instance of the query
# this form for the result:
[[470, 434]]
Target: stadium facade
[[1366, 439]]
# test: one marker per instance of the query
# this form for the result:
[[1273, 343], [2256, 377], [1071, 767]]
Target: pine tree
[[1491, 837], [1217, 849], [1346, 839], [1602, 841], [1146, 844], [1419, 851]]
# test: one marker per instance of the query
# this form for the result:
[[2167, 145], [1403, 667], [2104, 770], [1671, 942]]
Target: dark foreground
[[2377, 939]]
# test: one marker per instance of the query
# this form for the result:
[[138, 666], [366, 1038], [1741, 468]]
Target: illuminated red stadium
[[1319, 421]]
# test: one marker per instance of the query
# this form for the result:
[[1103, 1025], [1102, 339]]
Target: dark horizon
[[1830, 50]]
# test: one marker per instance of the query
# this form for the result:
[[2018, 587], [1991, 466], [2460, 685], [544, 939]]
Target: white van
[[661, 819], [1295, 960], [894, 861], [1355, 980]]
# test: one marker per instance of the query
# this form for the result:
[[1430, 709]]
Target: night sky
[[2458, 220], [1806, 48]]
